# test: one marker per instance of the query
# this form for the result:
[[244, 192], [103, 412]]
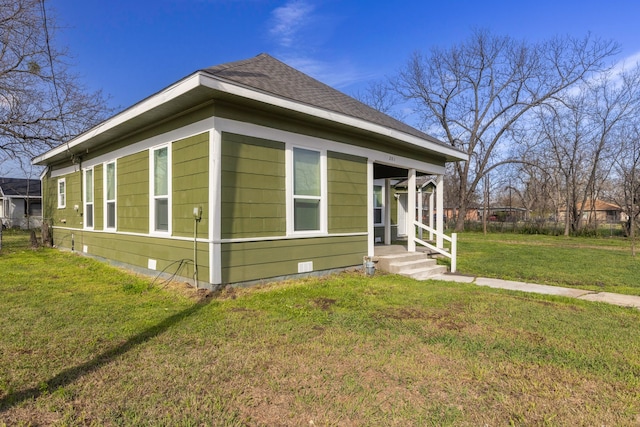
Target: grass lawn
[[82, 343], [599, 264]]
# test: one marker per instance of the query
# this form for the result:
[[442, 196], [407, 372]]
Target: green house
[[240, 172]]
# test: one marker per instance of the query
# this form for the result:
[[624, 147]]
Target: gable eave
[[201, 87]]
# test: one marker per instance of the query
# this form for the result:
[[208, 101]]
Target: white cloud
[[289, 19], [301, 33], [336, 74]]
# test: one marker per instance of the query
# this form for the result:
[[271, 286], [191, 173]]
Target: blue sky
[[133, 48]]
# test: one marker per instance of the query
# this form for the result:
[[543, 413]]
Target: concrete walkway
[[608, 297]]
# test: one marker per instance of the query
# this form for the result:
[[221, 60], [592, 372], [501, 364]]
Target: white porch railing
[[453, 240]]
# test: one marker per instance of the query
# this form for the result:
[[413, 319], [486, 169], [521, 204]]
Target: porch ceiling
[[385, 171]]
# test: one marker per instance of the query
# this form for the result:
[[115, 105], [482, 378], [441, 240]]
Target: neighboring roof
[[599, 205], [18, 187], [265, 82]]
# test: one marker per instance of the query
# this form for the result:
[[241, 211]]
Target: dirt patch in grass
[[323, 303]]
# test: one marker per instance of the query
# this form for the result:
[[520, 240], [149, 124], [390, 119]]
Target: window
[[160, 182], [307, 190], [110, 195], [378, 205], [88, 199], [62, 193]]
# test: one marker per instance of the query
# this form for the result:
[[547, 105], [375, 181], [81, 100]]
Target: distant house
[[598, 210], [239, 172], [20, 203]]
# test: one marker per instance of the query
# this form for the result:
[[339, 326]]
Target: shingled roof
[[19, 187], [267, 74], [261, 79]]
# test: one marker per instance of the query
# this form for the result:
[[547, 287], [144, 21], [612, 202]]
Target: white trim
[[174, 135], [370, 227], [177, 89], [64, 171], [152, 205], [291, 197], [333, 116], [106, 191], [63, 205], [296, 237], [214, 241], [86, 203], [206, 80], [133, 234], [215, 207], [387, 212], [411, 211], [383, 197], [257, 131]]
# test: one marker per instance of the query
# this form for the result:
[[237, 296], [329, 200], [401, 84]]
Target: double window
[[88, 198], [160, 182], [110, 195], [308, 197]]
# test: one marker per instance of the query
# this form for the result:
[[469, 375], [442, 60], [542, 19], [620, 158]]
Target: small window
[[110, 195], [62, 193], [160, 191], [378, 206], [88, 200], [307, 191]]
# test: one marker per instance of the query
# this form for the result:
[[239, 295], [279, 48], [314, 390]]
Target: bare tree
[[472, 94], [381, 96], [581, 135], [627, 169], [42, 103]]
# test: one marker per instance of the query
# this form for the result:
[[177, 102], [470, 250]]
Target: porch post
[[419, 215], [387, 211], [370, 229], [431, 199], [411, 211], [440, 211]]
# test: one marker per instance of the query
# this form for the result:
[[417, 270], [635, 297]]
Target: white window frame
[[86, 217], [153, 197], [115, 195], [379, 183], [291, 196], [62, 195]]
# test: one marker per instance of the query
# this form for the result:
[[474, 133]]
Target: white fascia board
[[148, 104], [244, 92], [203, 79]]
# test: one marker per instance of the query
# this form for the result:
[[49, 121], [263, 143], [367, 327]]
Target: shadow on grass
[[70, 375]]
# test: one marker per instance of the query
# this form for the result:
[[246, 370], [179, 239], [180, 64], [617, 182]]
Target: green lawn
[[82, 343], [599, 264]]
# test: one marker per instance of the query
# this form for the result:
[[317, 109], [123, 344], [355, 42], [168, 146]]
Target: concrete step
[[416, 265], [425, 273], [400, 266]]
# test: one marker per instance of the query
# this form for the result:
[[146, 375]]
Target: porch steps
[[416, 265]]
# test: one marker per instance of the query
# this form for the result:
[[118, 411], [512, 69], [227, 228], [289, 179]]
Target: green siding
[[68, 216], [383, 144], [347, 192], [248, 261], [98, 197], [132, 202], [253, 187], [137, 250], [190, 184]]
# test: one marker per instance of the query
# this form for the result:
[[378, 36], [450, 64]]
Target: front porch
[[419, 217]]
